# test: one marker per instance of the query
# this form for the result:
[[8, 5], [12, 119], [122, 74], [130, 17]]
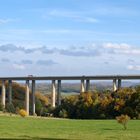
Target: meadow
[[35, 128]]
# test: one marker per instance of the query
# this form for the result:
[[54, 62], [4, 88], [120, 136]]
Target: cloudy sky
[[69, 37]]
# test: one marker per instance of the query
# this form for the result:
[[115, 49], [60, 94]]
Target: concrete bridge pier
[[3, 93], [53, 92], [27, 97], [82, 85], [119, 83], [114, 85], [87, 85], [59, 93], [10, 91], [33, 97]]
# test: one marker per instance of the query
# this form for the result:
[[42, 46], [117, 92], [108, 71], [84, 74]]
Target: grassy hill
[[17, 128]]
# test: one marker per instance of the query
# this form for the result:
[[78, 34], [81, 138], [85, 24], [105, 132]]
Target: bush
[[1, 107], [22, 113], [129, 111], [17, 110], [63, 113], [44, 111], [18, 103], [123, 119], [10, 108], [38, 107], [102, 116]]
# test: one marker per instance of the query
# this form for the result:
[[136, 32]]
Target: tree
[[38, 106], [123, 119]]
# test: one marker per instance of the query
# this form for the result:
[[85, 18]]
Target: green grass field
[[62, 129]]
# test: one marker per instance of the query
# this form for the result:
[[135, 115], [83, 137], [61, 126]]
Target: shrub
[[1, 107], [22, 113], [44, 112], [129, 111], [63, 113], [42, 98], [38, 106], [17, 110], [10, 108], [123, 119], [138, 110], [102, 116]]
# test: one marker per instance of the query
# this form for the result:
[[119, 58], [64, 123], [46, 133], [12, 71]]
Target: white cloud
[[18, 66], [114, 10], [45, 62], [121, 48], [58, 31], [61, 13], [86, 50], [77, 51], [4, 21], [133, 67], [87, 19], [74, 15]]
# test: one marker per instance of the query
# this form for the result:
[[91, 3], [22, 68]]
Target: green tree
[[38, 107]]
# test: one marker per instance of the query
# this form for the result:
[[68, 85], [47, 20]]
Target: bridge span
[[56, 86]]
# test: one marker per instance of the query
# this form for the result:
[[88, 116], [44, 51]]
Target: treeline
[[88, 105], [92, 105], [18, 100]]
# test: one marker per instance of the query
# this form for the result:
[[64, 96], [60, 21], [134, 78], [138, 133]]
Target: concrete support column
[[87, 85], [33, 97], [119, 83], [3, 94], [27, 97], [59, 92], [114, 84], [53, 93], [10, 91], [82, 85]]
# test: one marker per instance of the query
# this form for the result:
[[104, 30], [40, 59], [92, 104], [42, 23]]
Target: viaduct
[[85, 86]]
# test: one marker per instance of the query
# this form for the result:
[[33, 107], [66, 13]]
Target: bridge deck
[[96, 77]]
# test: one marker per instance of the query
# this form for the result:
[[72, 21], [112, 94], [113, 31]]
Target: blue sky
[[69, 37]]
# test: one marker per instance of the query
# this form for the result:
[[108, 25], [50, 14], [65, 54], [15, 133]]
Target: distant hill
[[68, 88]]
